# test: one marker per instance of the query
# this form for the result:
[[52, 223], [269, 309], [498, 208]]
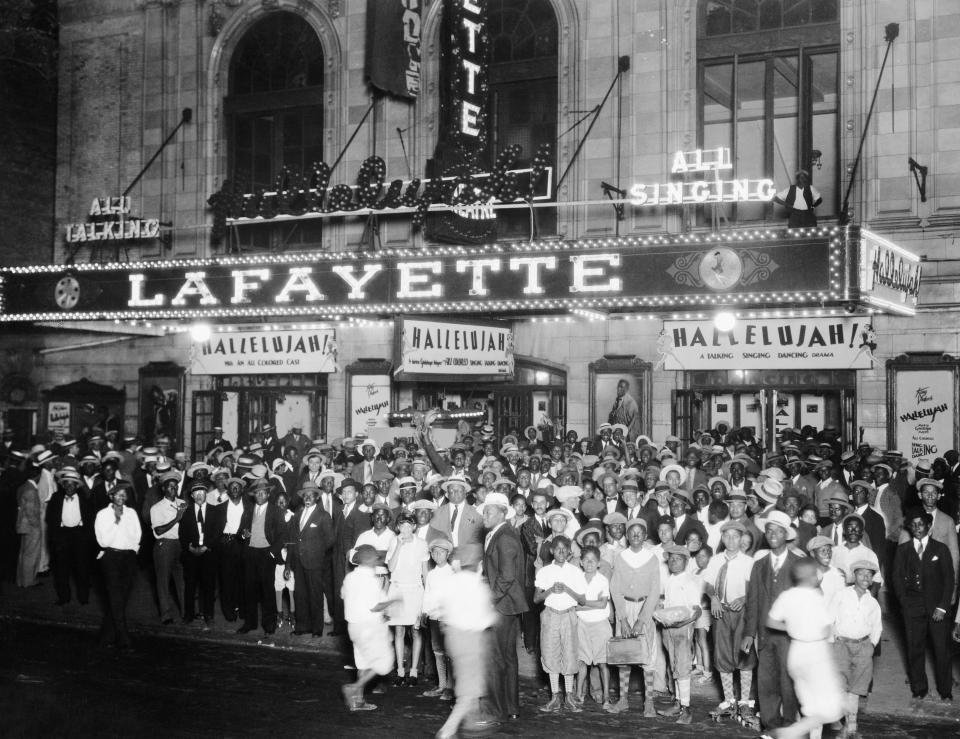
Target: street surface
[[56, 681]]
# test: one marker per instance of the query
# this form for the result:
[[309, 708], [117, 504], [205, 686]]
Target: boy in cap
[[680, 589], [435, 583], [857, 625], [364, 603], [725, 581]]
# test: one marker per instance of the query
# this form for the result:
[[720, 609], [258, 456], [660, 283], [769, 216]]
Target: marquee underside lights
[[777, 268]]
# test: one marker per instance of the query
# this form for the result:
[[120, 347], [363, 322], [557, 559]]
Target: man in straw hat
[[70, 517]]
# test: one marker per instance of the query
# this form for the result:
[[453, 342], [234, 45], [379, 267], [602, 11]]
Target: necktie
[[722, 581], [453, 519], [326, 503], [304, 517], [776, 566], [544, 529], [200, 516], [836, 535], [920, 549]]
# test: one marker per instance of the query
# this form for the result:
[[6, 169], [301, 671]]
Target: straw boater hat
[[781, 519], [458, 480], [673, 468]]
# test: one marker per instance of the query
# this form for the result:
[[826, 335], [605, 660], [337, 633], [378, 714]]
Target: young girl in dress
[[283, 577], [593, 627], [407, 562]]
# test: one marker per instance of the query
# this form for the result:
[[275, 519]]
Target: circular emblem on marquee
[[720, 268], [66, 294]]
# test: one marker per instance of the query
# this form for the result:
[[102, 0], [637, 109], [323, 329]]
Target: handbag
[[628, 650]]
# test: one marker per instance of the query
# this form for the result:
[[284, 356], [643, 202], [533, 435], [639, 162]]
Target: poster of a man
[[625, 409]]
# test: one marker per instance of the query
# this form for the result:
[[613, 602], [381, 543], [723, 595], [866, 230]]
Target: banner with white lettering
[[924, 409], [789, 343], [265, 352], [446, 348], [369, 402]]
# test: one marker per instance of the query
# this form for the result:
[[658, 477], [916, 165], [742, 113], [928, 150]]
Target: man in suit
[[370, 468], [200, 530], [873, 526], [504, 572], [681, 508], [769, 578], [827, 487], [532, 534], [310, 538], [799, 481], [941, 527], [695, 475], [70, 516], [347, 526], [923, 580], [263, 533], [457, 520]]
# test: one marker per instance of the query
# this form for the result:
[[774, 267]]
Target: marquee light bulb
[[200, 332], [724, 321]]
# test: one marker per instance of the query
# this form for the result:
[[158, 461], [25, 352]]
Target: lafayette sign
[[825, 343], [255, 352], [630, 274]]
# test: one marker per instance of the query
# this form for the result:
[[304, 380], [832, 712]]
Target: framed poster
[[369, 398], [620, 392], [922, 401], [161, 402]]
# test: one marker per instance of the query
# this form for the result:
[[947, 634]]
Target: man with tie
[[371, 468], [330, 503], [923, 579], [942, 527], [165, 516], [262, 530], [873, 526], [504, 572], [533, 532], [457, 521], [310, 538], [200, 529], [70, 515], [695, 476], [350, 522], [770, 577], [630, 494], [625, 410]]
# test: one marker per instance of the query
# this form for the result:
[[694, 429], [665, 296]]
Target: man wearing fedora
[[262, 530], [504, 571], [310, 542], [457, 520], [70, 517], [769, 578]]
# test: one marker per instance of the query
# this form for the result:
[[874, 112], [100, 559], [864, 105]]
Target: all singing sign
[[924, 412], [274, 352], [824, 343], [445, 348]]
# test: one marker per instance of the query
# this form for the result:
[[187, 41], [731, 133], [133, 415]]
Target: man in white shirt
[[118, 533], [230, 552], [165, 518]]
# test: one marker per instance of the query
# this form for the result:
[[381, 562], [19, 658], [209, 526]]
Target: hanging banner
[[889, 274], [369, 402], [461, 349], [265, 352], [824, 343], [924, 409], [393, 46]]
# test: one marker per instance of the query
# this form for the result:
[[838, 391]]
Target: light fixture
[[200, 332], [724, 321]]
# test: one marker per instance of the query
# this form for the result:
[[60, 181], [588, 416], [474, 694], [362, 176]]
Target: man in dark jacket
[[349, 523], [200, 530], [262, 532], [923, 579], [310, 536], [70, 516]]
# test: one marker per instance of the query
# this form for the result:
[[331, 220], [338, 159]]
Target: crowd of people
[[713, 560]]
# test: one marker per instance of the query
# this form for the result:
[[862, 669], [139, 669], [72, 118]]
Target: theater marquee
[[757, 267]]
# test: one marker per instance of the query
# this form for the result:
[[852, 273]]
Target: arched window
[[274, 114], [523, 93], [768, 90]]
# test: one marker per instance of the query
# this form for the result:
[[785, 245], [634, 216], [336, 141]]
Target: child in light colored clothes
[[681, 589], [433, 589], [363, 606], [802, 612], [560, 586], [593, 627]]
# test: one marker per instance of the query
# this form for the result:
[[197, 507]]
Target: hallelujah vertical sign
[[463, 141]]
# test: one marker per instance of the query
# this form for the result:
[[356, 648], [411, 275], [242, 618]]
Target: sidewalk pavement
[[890, 696]]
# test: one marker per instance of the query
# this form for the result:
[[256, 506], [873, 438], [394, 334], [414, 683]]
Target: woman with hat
[[29, 522], [407, 561], [635, 590]]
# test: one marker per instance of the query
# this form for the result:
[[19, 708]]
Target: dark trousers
[[339, 573], [258, 574], [918, 627], [326, 571], [230, 564], [199, 574], [774, 685], [119, 570], [503, 686], [309, 598], [70, 554]]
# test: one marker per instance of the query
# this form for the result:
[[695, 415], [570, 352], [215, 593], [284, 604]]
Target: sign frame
[[402, 375], [375, 369], [899, 370]]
